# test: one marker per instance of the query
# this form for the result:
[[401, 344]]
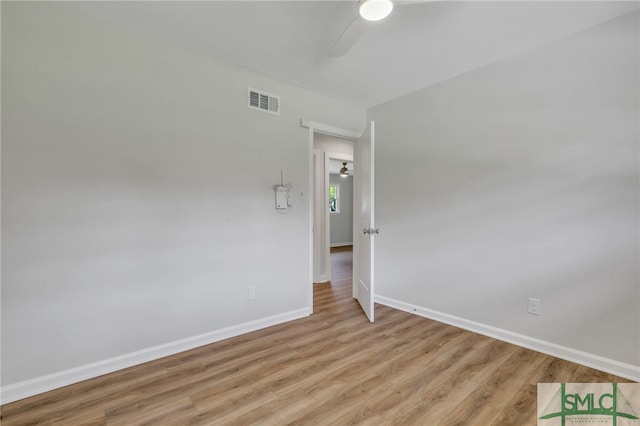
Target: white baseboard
[[341, 244], [322, 279], [49, 382], [617, 368]]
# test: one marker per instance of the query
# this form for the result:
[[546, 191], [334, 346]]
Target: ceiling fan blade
[[356, 28], [348, 38]]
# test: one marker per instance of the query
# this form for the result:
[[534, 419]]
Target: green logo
[[588, 404]]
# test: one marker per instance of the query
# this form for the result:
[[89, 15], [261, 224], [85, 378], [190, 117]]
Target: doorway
[[340, 202], [363, 209], [333, 200]]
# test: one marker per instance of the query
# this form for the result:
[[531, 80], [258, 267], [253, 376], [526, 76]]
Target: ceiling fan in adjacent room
[[368, 11]]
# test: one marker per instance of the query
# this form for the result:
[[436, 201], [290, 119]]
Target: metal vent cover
[[263, 101]]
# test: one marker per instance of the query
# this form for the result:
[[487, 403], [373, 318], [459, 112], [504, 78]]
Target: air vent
[[264, 101]]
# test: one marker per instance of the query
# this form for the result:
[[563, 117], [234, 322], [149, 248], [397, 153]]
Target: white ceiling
[[419, 44]]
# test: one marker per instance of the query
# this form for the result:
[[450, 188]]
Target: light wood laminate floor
[[333, 368]]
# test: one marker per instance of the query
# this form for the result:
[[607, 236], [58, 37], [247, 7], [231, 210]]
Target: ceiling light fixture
[[344, 172], [375, 10]]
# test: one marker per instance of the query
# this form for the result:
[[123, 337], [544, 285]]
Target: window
[[334, 198]]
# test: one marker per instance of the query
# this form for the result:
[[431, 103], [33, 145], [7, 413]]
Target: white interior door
[[364, 228]]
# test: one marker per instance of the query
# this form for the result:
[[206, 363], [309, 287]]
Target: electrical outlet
[[251, 293], [535, 306]]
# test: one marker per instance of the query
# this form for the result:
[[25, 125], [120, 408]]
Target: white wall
[[137, 193], [340, 146], [341, 232], [520, 179]]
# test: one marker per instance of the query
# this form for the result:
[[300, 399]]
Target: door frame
[[315, 127]]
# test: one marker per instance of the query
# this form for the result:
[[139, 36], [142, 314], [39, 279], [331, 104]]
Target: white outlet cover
[[534, 306]]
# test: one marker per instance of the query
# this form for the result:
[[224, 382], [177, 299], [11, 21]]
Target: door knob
[[370, 231]]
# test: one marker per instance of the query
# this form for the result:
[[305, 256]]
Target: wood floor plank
[[334, 367], [162, 412]]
